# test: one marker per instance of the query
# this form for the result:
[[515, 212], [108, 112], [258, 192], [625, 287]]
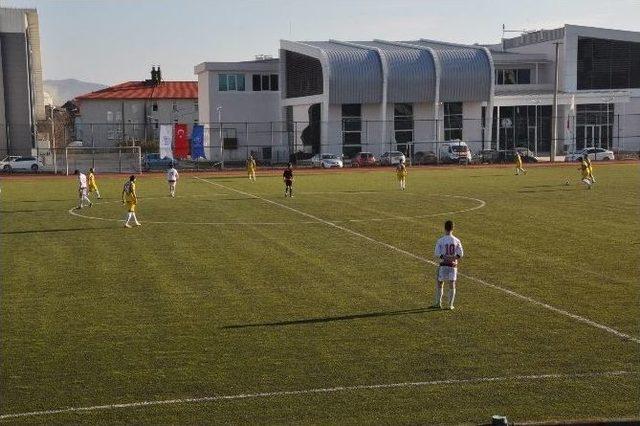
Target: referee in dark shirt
[[287, 177]]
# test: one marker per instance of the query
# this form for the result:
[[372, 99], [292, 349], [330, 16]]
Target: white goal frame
[[94, 154]]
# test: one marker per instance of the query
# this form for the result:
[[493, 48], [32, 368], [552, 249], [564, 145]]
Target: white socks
[[438, 299], [452, 295]]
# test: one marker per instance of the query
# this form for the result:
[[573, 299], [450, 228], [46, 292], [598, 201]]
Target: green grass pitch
[[230, 289]]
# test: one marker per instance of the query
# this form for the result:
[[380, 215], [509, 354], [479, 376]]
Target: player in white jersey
[[172, 179], [448, 251], [82, 190]]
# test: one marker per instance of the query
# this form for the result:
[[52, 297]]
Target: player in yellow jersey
[[586, 160], [130, 198], [251, 168], [519, 168], [93, 187], [584, 169], [401, 174]]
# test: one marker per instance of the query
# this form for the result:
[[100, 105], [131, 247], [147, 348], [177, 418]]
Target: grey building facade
[[21, 94]]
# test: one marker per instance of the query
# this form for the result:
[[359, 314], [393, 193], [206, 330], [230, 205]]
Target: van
[[455, 151]]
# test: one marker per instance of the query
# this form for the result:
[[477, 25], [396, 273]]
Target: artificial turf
[[221, 292]]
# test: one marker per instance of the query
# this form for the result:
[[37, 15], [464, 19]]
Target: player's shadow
[[38, 231], [552, 185], [332, 319]]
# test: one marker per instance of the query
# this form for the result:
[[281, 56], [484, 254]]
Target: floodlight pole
[[554, 114], [53, 142], [219, 109]]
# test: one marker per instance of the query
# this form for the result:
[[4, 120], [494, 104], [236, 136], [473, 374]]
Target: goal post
[[125, 159]]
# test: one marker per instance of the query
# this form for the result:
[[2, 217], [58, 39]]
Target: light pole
[[554, 114], [535, 100], [608, 100], [53, 141], [219, 109]]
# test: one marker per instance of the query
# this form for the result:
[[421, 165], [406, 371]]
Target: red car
[[363, 159]]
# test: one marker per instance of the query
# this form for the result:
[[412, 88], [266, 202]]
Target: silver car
[[326, 161], [391, 158], [595, 154]]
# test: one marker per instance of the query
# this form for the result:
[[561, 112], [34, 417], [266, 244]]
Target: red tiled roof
[[144, 90]]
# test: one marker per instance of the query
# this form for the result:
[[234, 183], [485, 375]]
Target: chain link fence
[[112, 146]]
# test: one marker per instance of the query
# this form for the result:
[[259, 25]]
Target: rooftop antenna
[[505, 30]]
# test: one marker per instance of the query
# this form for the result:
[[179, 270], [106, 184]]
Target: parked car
[[363, 159], [455, 152], [595, 154], [527, 155], [425, 157], [154, 162], [391, 158], [14, 163], [326, 161]]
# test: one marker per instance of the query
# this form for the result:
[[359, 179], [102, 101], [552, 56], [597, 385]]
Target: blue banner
[[197, 142]]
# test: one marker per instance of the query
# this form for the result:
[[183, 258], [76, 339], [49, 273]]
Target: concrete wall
[[261, 109], [17, 95]]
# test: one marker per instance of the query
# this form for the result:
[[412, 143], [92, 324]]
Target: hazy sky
[[110, 41]]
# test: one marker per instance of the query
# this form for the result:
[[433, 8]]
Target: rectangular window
[[513, 76], [265, 82], [231, 83], [453, 122], [222, 83], [403, 124], [230, 139], [175, 107], [607, 64], [154, 107], [351, 124], [109, 117]]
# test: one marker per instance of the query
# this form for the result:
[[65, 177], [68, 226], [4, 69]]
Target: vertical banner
[[166, 138], [181, 146], [197, 142]]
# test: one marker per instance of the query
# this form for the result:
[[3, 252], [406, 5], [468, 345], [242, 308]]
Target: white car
[[326, 161], [14, 163], [595, 154], [392, 158]]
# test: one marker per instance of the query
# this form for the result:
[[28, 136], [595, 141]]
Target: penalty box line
[[471, 381], [512, 293]]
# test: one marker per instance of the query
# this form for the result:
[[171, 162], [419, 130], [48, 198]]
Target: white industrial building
[[344, 97], [245, 98], [21, 95]]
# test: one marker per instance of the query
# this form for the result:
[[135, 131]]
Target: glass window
[[509, 76], [240, 82], [109, 117], [222, 82], [453, 122], [256, 82], [274, 82], [403, 122], [524, 76], [351, 124], [265, 82], [231, 82]]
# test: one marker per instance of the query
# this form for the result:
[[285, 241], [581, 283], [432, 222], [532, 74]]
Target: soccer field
[[233, 304]]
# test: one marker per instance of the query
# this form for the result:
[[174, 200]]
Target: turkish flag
[[181, 145]]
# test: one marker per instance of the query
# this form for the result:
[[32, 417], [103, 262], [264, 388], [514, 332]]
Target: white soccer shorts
[[447, 273], [83, 192]]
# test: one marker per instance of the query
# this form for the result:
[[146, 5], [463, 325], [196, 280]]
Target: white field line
[[74, 212], [316, 391], [425, 260]]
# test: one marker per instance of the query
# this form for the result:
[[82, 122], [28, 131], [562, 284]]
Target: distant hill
[[62, 91]]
